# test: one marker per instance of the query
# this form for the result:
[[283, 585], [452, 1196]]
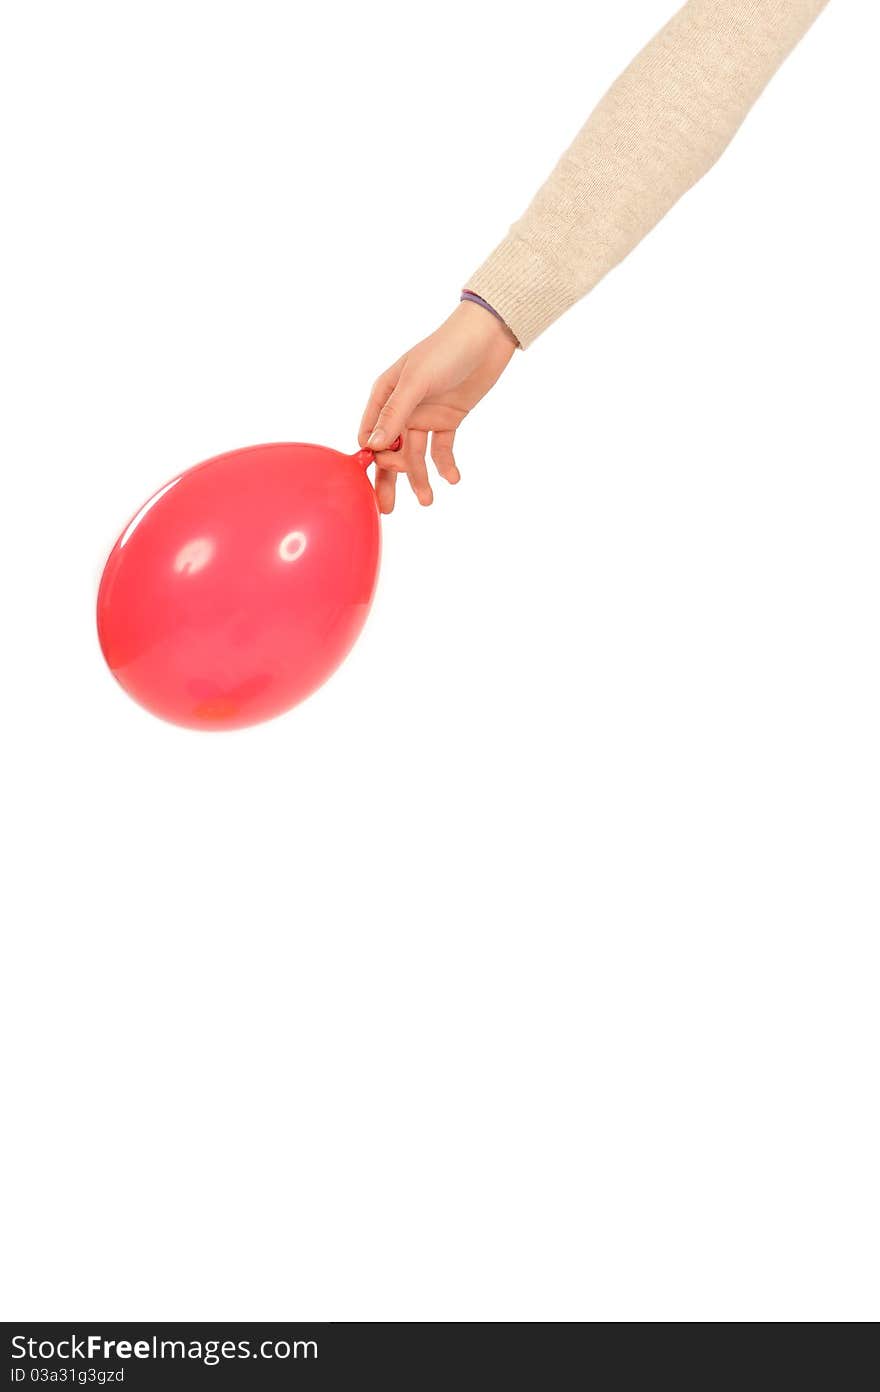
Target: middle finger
[[414, 447]]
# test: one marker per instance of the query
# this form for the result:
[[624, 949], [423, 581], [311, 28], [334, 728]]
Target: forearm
[[659, 128]]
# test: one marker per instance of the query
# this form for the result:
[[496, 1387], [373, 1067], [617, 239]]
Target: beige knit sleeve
[[664, 122]]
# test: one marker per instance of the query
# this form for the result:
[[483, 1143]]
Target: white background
[[529, 970]]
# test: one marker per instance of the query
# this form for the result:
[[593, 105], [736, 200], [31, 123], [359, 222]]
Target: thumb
[[396, 412]]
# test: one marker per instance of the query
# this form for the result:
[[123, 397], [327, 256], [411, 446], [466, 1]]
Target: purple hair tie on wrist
[[478, 299]]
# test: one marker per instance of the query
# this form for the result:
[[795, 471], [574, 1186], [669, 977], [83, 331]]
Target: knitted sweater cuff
[[525, 289]]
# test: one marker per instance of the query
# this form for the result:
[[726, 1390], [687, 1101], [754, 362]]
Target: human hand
[[429, 391]]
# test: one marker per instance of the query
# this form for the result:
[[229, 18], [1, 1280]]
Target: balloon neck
[[366, 457]]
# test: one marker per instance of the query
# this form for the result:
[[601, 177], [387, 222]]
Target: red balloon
[[241, 585]]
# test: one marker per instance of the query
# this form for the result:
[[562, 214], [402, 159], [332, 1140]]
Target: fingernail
[[377, 439], [454, 476]]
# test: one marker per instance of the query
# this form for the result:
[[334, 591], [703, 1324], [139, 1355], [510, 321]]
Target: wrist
[[479, 315]]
